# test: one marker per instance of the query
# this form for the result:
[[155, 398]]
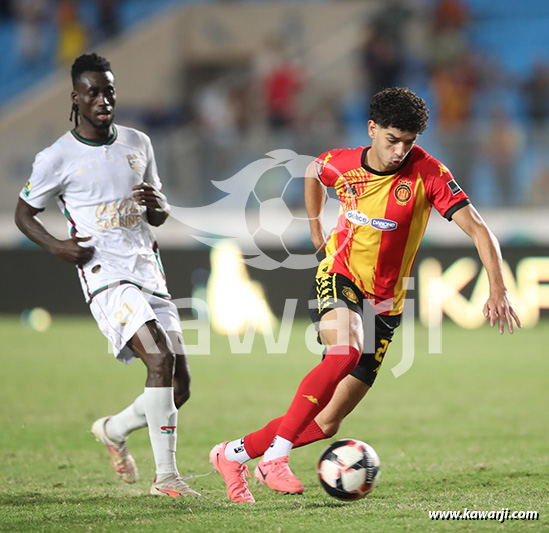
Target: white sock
[[279, 448], [235, 451], [119, 426], [162, 421]]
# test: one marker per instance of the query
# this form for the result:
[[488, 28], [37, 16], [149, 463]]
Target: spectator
[[454, 89], [386, 45], [503, 143], [393, 21], [282, 80], [450, 15], [448, 36], [31, 19], [108, 19], [72, 34], [217, 131], [382, 62], [536, 96], [539, 193]]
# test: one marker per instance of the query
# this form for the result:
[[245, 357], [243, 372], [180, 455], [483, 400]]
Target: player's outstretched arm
[[69, 249], [156, 203], [315, 197], [498, 307]]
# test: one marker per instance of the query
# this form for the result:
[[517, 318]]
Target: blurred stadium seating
[[195, 77]]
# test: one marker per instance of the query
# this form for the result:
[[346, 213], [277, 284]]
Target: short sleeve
[[326, 172], [445, 193], [151, 172], [44, 183]]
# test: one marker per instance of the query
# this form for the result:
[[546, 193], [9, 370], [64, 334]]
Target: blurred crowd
[[77, 25], [488, 124]]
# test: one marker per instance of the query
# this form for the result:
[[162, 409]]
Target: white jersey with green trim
[[93, 183]]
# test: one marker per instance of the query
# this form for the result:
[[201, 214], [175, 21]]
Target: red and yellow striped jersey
[[382, 219]]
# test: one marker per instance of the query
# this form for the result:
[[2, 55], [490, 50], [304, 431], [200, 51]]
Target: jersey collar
[[87, 142], [387, 172]]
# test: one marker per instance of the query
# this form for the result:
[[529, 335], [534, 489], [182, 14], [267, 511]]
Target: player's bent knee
[[161, 364]]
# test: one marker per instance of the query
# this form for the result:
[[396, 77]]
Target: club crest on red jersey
[[403, 191]]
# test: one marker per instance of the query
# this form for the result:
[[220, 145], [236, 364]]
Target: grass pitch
[[466, 428]]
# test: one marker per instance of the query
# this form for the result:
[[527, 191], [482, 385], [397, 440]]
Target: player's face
[[95, 95], [389, 146]]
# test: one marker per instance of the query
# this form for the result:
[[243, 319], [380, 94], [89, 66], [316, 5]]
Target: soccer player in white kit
[[105, 181]]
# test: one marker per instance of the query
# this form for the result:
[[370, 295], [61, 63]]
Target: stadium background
[[463, 429], [218, 85]]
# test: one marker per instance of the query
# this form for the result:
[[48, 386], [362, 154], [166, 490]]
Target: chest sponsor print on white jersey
[[124, 213]]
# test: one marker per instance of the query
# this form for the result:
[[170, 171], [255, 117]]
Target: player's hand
[[498, 308], [149, 196], [71, 251]]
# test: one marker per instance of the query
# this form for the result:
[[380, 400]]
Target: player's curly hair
[[401, 108], [86, 63]]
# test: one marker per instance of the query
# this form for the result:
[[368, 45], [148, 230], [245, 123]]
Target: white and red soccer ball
[[348, 469]]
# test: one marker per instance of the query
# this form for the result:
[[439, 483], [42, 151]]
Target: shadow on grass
[[34, 499]]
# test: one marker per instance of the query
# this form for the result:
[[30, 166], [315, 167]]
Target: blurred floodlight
[[236, 303], [37, 319]]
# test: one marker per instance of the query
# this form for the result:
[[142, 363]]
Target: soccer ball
[[281, 228], [348, 469], [276, 219]]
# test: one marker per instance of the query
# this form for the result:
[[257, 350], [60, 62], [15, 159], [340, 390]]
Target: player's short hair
[[88, 63], [401, 108]]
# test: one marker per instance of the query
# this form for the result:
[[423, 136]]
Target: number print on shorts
[[126, 312], [381, 350]]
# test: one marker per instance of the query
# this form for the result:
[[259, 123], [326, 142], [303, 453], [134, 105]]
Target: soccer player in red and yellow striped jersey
[[383, 214], [386, 192]]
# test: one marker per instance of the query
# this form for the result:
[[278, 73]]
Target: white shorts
[[121, 310]]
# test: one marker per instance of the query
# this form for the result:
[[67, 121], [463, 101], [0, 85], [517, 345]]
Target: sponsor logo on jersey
[[124, 213], [403, 191], [27, 189], [356, 217], [311, 398], [350, 294], [443, 169], [383, 224], [454, 187]]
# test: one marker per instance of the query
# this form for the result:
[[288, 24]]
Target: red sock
[[316, 390], [256, 443], [311, 433]]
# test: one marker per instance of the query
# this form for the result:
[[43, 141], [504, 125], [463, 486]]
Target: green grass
[[467, 428]]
